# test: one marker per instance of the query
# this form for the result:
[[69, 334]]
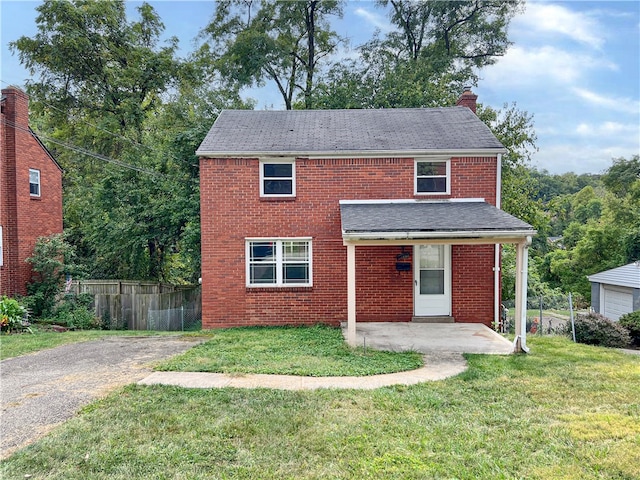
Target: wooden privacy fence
[[134, 305], [120, 287]]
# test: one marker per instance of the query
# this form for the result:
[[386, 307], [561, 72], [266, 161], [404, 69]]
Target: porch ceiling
[[444, 221]]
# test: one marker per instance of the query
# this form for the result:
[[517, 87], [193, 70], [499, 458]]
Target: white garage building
[[617, 291]]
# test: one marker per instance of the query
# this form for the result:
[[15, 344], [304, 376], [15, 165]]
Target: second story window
[[432, 177], [34, 182], [278, 179]]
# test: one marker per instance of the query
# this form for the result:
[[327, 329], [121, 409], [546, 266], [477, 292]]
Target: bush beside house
[[595, 329], [631, 321]]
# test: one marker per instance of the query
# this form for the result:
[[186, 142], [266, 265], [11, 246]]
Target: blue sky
[[574, 65]]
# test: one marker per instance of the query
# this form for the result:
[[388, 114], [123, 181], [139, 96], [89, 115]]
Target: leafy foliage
[[52, 260], [631, 321], [599, 228], [107, 85], [435, 49], [75, 312], [93, 61], [279, 41], [595, 329], [11, 314]]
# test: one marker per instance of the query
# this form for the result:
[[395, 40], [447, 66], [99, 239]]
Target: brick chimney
[[468, 99], [15, 106]]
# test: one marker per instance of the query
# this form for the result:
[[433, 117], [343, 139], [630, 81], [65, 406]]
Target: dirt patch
[[43, 389]]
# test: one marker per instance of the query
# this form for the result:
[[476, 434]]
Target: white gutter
[[436, 235], [350, 154], [410, 200], [497, 267]]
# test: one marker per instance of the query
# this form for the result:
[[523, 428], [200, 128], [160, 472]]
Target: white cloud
[[617, 104], [378, 21], [580, 158], [607, 128], [523, 66], [547, 18]]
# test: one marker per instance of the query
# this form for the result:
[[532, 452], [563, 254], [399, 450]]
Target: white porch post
[[522, 263], [351, 295]]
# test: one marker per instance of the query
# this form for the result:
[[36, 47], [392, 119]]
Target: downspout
[[522, 260], [496, 267], [525, 275]]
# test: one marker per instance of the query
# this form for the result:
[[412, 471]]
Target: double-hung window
[[278, 262], [433, 177], [34, 182], [278, 178]]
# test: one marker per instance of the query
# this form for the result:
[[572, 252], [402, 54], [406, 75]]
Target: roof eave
[[476, 152]]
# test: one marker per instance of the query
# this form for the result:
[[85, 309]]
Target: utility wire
[[81, 150], [117, 135]]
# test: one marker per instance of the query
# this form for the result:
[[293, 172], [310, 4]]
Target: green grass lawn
[[308, 351], [565, 411]]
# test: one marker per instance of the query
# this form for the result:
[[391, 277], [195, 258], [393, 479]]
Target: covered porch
[[442, 223]]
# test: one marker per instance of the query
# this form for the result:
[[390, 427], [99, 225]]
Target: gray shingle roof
[[313, 132], [625, 276], [428, 217]]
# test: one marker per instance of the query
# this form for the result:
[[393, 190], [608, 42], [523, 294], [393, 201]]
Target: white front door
[[432, 280]]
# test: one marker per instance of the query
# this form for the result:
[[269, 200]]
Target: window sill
[[277, 199], [38, 199], [279, 289]]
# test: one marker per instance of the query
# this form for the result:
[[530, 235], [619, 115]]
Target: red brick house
[[343, 215], [30, 192]]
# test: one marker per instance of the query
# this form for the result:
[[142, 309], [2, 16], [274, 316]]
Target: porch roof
[[399, 220]]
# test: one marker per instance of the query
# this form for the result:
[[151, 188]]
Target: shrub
[[595, 329], [75, 312], [631, 321], [11, 314], [52, 260]]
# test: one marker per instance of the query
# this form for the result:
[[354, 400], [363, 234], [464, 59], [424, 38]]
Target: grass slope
[[565, 411]]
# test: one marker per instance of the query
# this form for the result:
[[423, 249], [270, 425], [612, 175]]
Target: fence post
[[540, 326], [182, 316], [573, 325]]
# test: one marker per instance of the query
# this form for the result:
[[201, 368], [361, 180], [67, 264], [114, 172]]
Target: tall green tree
[[603, 230], [124, 116], [284, 42], [622, 175], [435, 49], [91, 62]]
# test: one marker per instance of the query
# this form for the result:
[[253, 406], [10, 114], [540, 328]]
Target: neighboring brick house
[[30, 192], [335, 215]]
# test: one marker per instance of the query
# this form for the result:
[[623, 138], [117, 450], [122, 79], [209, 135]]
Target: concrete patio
[[430, 338]]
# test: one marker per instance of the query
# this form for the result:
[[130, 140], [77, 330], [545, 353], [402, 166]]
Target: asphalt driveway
[[43, 389]]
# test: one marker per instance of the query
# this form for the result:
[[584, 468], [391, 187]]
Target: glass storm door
[[432, 280]]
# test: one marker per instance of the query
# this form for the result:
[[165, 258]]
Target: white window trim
[[290, 161], [279, 283], [39, 183], [432, 159]]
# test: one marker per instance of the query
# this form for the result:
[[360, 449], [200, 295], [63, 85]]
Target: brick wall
[[232, 210], [24, 218]]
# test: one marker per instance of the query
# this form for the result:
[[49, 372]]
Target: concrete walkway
[[436, 367], [442, 344], [431, 338]]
